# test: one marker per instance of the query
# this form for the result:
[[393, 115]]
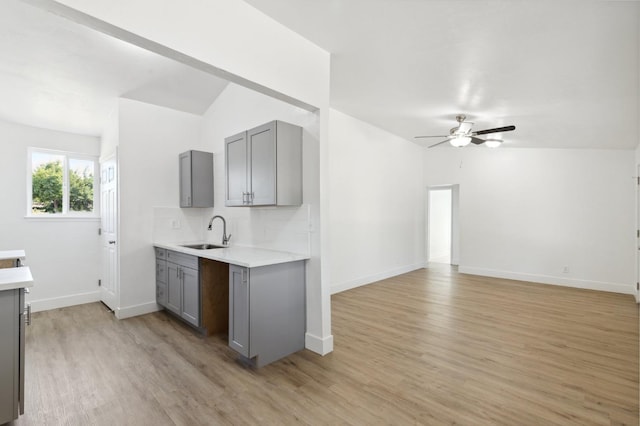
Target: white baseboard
[[337, 288], [63, 301], [317, 344], [135, 310], [548, 279]]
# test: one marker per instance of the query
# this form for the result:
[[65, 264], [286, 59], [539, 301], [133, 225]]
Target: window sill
[[61, 218]]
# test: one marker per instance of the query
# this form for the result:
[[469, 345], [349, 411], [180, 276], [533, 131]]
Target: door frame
[[455, 221], [636, 291]]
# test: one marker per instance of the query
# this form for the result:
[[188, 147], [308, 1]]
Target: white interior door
[[109, 289]]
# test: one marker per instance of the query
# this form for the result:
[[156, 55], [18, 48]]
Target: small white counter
[[248, 257], [12, 278], [12, 254]]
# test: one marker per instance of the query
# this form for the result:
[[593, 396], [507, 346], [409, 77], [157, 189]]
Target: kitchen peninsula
[[263, 292]]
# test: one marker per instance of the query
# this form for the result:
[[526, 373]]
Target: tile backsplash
[[276, 228]]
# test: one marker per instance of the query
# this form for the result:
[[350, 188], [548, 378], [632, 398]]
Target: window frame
[[66, 213]]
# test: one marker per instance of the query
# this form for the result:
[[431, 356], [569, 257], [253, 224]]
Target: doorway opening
[[442, 224]]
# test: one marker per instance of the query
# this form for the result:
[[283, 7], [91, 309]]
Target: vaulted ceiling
[[564, 72], [60, 75]]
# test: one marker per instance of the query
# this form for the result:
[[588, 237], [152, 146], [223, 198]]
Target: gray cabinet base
[[275, 312]]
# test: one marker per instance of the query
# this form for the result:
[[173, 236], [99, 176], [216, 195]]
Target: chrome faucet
[[225, 239]]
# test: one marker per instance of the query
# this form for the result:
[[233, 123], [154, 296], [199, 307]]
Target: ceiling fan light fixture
[[460, 141], [493, 143]]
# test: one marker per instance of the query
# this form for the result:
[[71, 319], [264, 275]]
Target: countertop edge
[[238, 255], [13, 278]]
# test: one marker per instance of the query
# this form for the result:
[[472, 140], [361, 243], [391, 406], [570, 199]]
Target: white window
[[61, 184]]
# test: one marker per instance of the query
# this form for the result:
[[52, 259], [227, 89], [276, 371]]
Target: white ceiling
[[59, 75], [564, 72]]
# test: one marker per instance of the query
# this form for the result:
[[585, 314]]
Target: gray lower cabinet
[[267, 319], [178, 284], [12, 336], [161, 282]]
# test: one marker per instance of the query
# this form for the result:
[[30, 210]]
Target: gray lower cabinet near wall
[[267, 319], [11, 354], [190, 288]]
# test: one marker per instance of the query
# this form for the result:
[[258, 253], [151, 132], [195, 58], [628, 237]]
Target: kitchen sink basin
[[203, 246]]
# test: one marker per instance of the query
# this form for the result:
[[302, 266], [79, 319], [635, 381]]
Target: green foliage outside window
[[80, 191], [47, 189]]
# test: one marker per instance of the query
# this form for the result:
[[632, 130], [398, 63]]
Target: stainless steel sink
[[203, 246]]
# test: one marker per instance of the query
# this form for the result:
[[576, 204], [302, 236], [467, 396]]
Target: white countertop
[[12, 254], [248, 257], [12, 278]]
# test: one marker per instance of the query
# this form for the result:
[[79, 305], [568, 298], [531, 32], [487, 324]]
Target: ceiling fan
[[462, 135]]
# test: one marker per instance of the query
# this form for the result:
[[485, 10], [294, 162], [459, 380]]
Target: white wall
[[528, 213], [150, 139], [63, 254], [377, 203]]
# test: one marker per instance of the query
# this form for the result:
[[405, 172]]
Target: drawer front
[[182, 259], [161, 271], [161, 253]]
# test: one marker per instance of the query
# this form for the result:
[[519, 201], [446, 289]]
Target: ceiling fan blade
[[440, 143], [477, 141], [418, 137], [496, 130]]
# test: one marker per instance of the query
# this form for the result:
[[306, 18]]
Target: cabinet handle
[[28, 312]]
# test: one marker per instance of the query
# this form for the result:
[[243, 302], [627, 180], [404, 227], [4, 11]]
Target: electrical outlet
[[565, 269], [175, 224]]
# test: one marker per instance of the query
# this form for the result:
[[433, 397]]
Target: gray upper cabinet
[[196, 179], [264, 166], [237, 169]]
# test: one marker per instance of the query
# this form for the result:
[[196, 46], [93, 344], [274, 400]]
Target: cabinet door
[[190, 296], [239, 309], [262, 164], [174, 290], [236, 170], [185, 179]]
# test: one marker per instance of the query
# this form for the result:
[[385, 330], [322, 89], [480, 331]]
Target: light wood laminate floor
[[428, 347]]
